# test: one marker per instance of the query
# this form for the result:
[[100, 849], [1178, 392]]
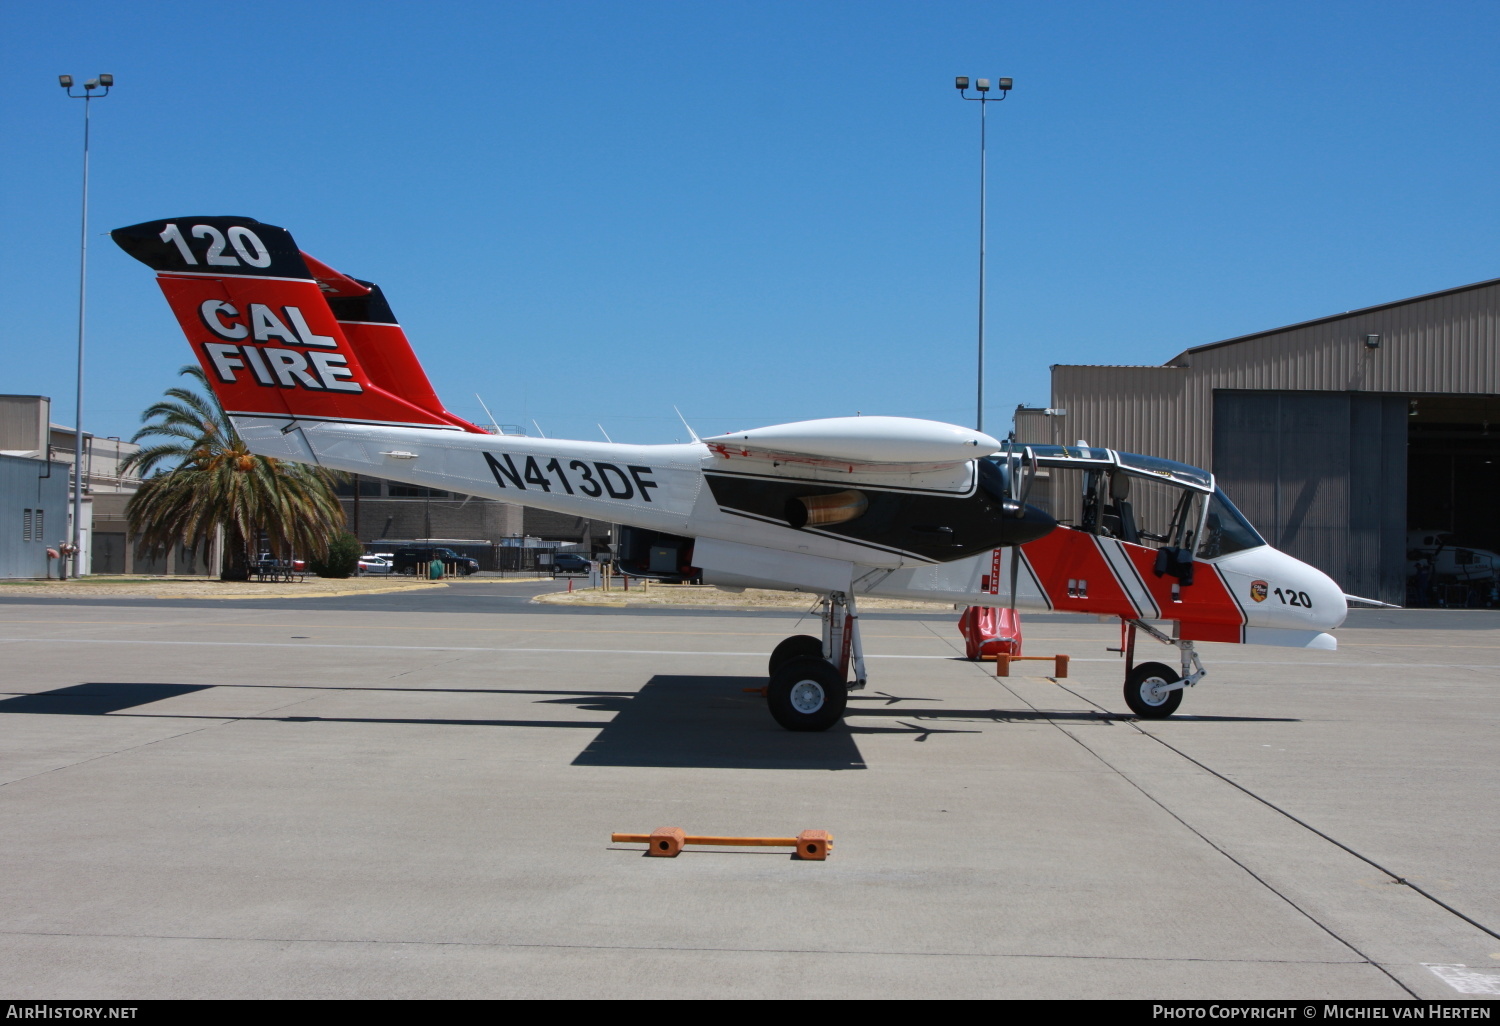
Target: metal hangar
[[1349, 440]]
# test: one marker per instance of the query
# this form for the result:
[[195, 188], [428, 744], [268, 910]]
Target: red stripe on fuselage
[[1206, 601], [1197, 631], [1065, 555], [1206, 609]]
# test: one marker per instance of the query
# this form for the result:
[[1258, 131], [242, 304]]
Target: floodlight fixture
[[982, 86], [1372, 341], [108, 80], [76, 556]]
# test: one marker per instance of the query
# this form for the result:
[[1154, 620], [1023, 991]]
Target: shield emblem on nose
[[1258, 590]]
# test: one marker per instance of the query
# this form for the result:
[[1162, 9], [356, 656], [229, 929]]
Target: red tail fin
[[269, 340]]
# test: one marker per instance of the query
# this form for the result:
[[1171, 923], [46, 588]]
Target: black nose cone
[[1024, 524]]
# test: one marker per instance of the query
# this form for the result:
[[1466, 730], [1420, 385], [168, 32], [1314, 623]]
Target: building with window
[[27, 433]]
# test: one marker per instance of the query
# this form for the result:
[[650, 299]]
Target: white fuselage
[[665, 488]]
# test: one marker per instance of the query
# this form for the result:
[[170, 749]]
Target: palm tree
[[214, 480]]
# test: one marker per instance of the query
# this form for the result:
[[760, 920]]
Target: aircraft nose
[[1025, 524]]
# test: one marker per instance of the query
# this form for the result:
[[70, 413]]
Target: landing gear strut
[[1153, 690], [809, 684]]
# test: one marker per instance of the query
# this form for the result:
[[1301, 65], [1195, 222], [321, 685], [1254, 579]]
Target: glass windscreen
[[1226, 530], [1150, 511], [1067, 455], [1171, 470]]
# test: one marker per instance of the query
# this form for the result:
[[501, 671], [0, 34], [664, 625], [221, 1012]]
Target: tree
[[216, 481]]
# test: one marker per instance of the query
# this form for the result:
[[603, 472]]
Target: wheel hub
[[1151, 692], [807, 696]]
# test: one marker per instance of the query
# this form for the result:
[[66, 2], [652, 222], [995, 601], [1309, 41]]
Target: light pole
[[106, 82], [982, 87]]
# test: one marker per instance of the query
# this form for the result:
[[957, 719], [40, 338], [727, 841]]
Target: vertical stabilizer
[[257, 314]]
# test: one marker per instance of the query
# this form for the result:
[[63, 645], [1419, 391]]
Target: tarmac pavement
[[336, 798]]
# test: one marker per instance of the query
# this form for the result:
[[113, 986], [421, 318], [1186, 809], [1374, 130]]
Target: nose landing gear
[[1153, 690], [1146, 694], [809, 685]]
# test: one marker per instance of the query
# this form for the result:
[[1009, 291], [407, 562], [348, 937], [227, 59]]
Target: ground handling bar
[[667, 842]]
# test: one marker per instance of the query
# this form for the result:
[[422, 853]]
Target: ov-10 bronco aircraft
[[313, 367]]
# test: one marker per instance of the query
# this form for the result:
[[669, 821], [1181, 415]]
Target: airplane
[[313, 367]]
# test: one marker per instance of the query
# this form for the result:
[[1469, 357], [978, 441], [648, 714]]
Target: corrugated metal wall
[[23, 422]]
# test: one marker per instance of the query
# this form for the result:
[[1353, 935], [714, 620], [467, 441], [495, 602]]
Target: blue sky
[[760, 212]]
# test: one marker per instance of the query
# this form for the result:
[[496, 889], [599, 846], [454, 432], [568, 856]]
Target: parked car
[[416, 561], [374, 565], [569, 563]]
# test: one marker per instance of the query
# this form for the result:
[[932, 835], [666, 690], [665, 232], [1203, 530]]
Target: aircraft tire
[[1138, 691], [795, 647], [807, 694]]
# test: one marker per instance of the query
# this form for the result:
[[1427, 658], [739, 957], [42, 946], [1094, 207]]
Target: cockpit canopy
[[1144, 500]]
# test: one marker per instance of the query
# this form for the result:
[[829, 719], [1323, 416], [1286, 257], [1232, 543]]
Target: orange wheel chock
[[1059, 664], [814, 845], [667, 842]]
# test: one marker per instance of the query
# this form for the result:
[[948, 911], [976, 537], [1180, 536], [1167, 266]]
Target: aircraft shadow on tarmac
[[707, 722], [95, 699], [712, 722]]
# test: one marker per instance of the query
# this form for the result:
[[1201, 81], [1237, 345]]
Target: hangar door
[[1453, 491], [1323, 476]]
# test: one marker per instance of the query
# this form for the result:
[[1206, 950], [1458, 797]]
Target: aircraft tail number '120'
[[241, 239]]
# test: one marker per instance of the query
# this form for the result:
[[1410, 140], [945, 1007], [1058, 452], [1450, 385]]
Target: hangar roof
[[1181, 357]]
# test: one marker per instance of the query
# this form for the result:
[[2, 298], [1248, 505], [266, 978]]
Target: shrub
[[342, 559]]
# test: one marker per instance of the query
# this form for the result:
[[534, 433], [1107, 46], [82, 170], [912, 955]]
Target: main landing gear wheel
[[1141, 694], [798, 646], [807, 693]]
